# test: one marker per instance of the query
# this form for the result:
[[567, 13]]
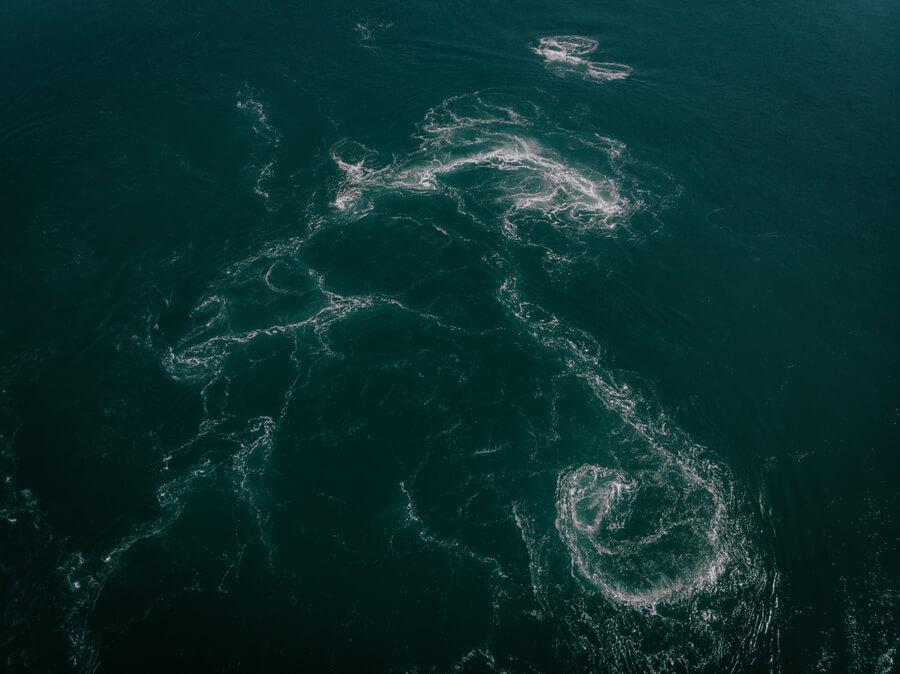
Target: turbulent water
[[449, 337]]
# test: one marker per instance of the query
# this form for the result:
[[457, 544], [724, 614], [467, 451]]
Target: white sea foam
[[870, 615], [454, 547], [565, 48], [539, 181], [649, 534], [488, 154], [368, 31], [566, 54], [262, 127], [472, 146], [251, 462], [534, 543], [600, 521], [86, 576], [599, 509], [658, 529], [267, 140]]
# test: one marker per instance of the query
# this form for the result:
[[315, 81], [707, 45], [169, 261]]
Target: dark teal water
[[461, 336]]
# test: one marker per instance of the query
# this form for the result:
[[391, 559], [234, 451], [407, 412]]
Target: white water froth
[[499, 578], [678, 555], [661, 531], [87, 576], [649, 533], [486, 154], [566, 54], [663, 527], [201, 355], [267, 140], [369, 30]]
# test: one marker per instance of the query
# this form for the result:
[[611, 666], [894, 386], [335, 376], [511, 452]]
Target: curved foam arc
[[607, 71], [577, 191], [205, 357], [358, 172], [202, 360], [470, 134], [368, 30], [86, 577], [262, 127], [569, 53], [199, 356], [592, 555], [456, 548], [588, 497], [267, 138], [529, 178], [443, 123], [566, 48]]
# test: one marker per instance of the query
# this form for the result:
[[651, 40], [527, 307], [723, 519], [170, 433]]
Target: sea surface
[[449, 336]]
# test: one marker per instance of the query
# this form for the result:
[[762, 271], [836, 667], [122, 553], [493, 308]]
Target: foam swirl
[[567, 54], [653, 529], [641, 539], [489, 155]]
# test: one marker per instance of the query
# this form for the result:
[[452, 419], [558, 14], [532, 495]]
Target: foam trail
[[655, 532], [474, 139], [267, 139], [662, 530], [369, 30], [692, 543], [87, 576], [566, 54], [659, 532], [596, 506]]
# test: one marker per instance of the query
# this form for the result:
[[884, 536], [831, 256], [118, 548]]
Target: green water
[[431, 337]]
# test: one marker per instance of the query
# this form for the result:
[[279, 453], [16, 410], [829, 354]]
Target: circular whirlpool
[[642, 538]]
